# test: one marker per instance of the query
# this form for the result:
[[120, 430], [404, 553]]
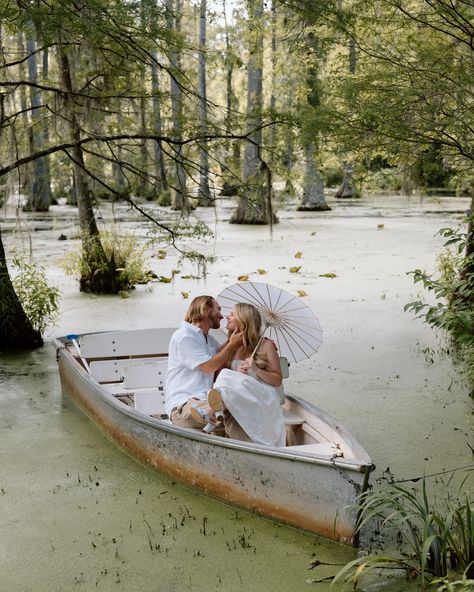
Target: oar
[[73, 338]]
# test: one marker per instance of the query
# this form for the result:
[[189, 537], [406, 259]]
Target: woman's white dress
[[254, 404]]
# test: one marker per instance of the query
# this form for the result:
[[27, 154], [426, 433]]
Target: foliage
[[453, 289], [409, 98], [125, 253], [39, 300], [437, 547]]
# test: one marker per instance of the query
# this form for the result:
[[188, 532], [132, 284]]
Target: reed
[[437, 548]]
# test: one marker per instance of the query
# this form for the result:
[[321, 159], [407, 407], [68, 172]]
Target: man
[[193, 358]]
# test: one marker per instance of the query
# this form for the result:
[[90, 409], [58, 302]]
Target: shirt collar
[[191, 327]]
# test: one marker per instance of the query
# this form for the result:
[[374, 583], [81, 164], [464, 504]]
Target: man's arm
[[224, 355]]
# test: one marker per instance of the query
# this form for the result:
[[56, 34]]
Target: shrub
[[129, 259], [39, 300], [453, 288]]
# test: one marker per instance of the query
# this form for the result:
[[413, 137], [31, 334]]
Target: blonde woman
[[246, 389]]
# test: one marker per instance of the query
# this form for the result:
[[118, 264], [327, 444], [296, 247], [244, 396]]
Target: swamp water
[[79, 514]]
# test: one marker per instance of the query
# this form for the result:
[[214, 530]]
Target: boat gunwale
[[358, 465]]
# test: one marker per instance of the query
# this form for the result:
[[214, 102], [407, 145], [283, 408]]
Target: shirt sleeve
[[192, 353]]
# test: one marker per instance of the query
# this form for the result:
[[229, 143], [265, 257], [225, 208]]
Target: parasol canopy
[[287, 320]]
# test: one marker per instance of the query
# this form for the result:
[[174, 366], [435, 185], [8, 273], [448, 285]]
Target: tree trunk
[[180, 198], [470, 236], [40, 190], [231, 165], [24, 172], [347, 188], [99, 274], [204, 195], [161, 183], [120, 180], [16, 331], [255, 203], [313, 187]]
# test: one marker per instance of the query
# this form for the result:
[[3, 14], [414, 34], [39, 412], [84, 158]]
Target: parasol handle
[[256, 348], [259, 342]]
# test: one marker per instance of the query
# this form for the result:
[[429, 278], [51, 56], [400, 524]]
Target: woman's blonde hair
[[199, 309], [250, 322]]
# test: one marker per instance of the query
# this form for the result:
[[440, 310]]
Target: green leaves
[[39, 300], [433, 537]]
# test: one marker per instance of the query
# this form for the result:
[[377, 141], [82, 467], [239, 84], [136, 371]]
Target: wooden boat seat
[[291, 418], [137, 342], [113, 370], [146, 382], [146, 374]]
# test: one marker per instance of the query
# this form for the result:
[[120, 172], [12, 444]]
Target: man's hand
[[236, 339]]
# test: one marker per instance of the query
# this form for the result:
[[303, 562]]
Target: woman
[[246, 391]]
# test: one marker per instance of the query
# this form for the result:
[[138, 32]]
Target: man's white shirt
[[188, 349]]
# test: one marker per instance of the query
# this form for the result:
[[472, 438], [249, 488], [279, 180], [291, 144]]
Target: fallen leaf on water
[[295, 269], [328, 275], [185, 294], [161, 254], [164, 279], [380, 226], [262, 271], [301, 293], [298, 255], [243, 278]]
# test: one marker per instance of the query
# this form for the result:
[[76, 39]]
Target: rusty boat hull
[[317, 493]]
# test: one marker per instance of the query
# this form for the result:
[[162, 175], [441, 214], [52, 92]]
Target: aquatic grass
[[128, 256], [434, 547]]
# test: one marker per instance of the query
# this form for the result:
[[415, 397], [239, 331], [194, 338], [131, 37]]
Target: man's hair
[[199, 309]]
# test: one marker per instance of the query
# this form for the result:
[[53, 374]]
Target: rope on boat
[[389, 479]]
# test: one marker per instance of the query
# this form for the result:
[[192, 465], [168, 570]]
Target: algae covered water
[[78, 513]]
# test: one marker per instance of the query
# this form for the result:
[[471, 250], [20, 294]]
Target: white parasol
[[288, 321]]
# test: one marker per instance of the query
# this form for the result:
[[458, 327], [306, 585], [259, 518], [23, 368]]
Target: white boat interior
[[131, 366]]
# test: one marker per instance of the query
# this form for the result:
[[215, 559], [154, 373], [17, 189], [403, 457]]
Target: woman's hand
[[246, 365]]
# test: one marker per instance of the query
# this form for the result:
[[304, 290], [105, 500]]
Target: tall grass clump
[[435, 547], [129, 259], [453, 289]]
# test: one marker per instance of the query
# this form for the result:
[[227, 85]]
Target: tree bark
[[347, 189], [40, 189], [161, 183], [99, 274], [16, 331], [313, 188], [255, 201], [180, 198], [204, 194]]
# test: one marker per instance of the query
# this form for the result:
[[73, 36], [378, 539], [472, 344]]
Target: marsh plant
[[436, 547], [126, 254], [453, 289], [39, 300]]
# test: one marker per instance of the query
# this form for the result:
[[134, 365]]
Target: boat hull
[[317, 495]]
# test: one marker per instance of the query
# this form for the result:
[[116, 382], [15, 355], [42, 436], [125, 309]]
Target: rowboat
[[118, 379]]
